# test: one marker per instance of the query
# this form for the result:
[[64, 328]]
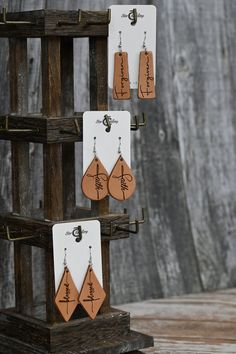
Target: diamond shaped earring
[[92, 294], [67, 296]]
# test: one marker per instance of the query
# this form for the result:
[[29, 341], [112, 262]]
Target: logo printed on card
[[77, 232]]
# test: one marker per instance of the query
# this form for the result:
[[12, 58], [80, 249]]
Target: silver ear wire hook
[[65, 258], [90, 256], [144, 41], [119, 148], [120, 42], [94, 146]]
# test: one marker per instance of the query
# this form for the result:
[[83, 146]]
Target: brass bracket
[[115, 227], [4, 20], [79, 20], [8, 234], [6, 128], [135, 126]]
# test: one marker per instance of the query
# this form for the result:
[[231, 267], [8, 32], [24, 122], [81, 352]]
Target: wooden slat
[[42, 230], [200, 323], [68, 150], [45, 23], [56, 130], [53, 193], [20, 172], [99, 101]]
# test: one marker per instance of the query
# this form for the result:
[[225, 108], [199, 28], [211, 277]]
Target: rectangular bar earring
[[146, 82]]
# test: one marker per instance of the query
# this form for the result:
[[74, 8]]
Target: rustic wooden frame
[[46, 330]]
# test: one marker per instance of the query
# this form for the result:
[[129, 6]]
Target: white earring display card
[[67, 236], [111, 130], [129, 37]]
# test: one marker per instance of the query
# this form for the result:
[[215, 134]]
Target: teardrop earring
[[146, 86], [92, 294], [121, 84], [121, 184], [67, 294], [94, 181]]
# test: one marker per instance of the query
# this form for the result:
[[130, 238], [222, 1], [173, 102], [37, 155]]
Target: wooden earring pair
[[97, 184], [121, 82], [91, 296]]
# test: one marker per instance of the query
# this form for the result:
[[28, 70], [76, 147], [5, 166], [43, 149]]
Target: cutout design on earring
[[122, 182], [121, 84], [92, 294], [67, 294], [146, 85], [94, 181]]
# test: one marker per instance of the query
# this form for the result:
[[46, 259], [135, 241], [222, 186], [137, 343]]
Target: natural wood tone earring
[[95, 179], [146, 82], [121, 184], [67, 294], [121, 84], [92, 294]]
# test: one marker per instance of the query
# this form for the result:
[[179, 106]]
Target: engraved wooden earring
[[67, 296], [92, 294], [94, 181], [121, 184], [121, 84], [146, 86]]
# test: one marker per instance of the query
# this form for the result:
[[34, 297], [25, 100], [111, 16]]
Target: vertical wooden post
[[99, 101], [68, 149], [52, 155], [20, 172]]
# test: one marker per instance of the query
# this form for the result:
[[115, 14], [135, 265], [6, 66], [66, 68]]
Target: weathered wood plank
[[20, 172], [55, 23], [99, 101], [200, 323], [68, 150], [53, 187], [42, 230]]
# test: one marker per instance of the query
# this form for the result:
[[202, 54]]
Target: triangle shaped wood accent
[[121, 84], [146, 86], [95, 180], [122, 182], [92, 294], [67, 297]]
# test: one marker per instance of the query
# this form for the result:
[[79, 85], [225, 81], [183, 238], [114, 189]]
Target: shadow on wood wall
[[184, 160]]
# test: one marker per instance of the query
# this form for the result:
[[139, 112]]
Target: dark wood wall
[[184, 160]]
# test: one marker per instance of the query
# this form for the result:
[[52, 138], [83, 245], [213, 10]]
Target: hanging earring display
[[67, 295], [122, 182], [121, 84], [92, 294], [146, 83], [94, 181]]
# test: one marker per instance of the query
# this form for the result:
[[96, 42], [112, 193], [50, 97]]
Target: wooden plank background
[[184, 160]]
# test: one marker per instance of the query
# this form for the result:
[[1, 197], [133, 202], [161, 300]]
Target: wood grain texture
[[200, 323], [184, 161]]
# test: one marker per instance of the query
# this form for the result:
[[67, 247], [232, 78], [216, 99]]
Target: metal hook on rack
[[133, 16], [13, 239], [4, 20], [88, 22], [6, 128], [135, 126], [116, 227]]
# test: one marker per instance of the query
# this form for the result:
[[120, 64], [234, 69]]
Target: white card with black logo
[[122, 29], [104, 132], [76, 238]]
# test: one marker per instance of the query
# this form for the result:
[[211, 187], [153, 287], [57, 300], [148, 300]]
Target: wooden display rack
[[37, 328]]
